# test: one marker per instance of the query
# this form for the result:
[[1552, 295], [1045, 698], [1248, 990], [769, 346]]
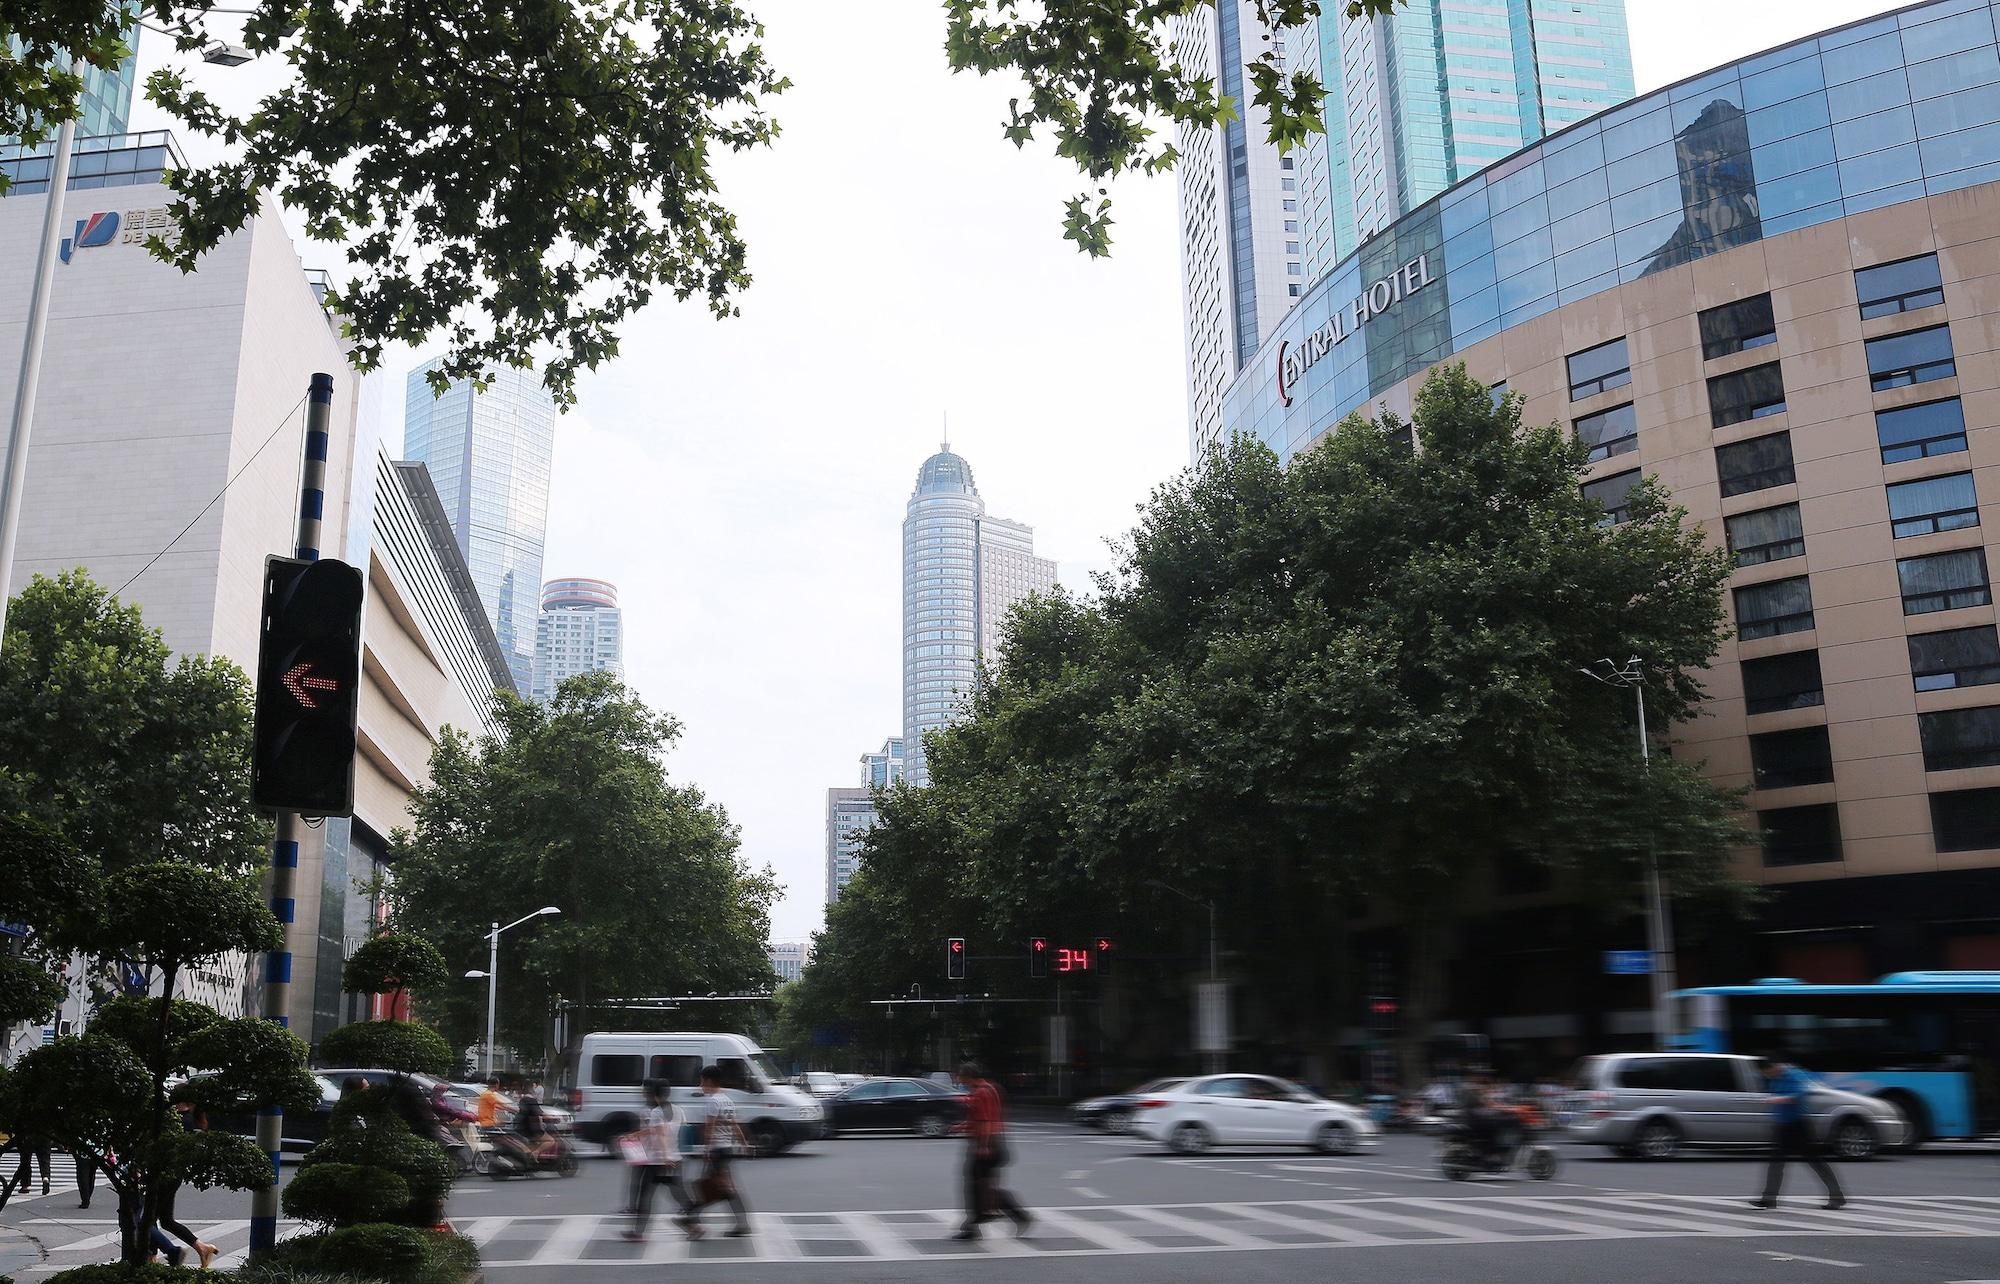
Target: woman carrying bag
[[654, 1157]]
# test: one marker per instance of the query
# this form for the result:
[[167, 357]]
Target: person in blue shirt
[[1791, 1133]]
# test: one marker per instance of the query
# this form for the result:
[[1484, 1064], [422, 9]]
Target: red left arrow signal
[[300, 678]]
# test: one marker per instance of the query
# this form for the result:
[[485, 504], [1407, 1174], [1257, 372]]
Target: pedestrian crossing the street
[[510, 1243], [62, 1177]]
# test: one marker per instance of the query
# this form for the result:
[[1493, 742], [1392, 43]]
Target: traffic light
[[1384, 1014], [1038, 956], [954, 958], [308, 687]]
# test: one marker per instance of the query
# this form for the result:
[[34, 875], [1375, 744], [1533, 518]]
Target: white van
[[611, 1071]]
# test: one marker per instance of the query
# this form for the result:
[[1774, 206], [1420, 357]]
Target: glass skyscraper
[[107, 95], [489, 455], [1415, 101]]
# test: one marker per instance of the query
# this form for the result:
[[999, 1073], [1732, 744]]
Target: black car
[[896, 1105], [302, 1129], [1114, 1113]]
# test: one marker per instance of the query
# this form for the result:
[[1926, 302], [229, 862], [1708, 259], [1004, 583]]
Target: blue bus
[[1927, 1042]]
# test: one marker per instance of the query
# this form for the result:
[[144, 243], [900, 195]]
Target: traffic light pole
[[277, 1003]]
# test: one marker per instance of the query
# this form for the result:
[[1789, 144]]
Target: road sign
[[1211, 1016], [1628, 962]]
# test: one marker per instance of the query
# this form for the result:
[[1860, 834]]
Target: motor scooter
[[1461, 1154], [509, 1154]]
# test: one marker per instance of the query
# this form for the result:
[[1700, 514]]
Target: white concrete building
[[788, 959], [580, 630]]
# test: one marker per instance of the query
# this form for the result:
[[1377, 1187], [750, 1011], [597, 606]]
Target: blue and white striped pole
[[277, 1004]]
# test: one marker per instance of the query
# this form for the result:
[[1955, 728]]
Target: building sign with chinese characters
[[1293, 362], [132, 227]]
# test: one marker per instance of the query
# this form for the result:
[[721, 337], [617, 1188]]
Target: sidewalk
[[17, 1251]]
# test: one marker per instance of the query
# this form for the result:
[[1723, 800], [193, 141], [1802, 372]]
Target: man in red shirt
[[986, 1153]]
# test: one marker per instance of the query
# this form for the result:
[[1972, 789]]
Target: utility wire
[[120, 591]]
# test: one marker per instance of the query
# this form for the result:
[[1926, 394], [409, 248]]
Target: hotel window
[[1746, 394], [1768, 610], [1779, 682], [1733, 327], [1957, 739], [1915, 432], [1613, 493], [1933, 504], [1966, 820], [1757, 464], [1801, 835], [1599, 369], [1898, 287], [1767, 535], [1786, 759], [1608, 432], [1915, 356], [1943, 581], [1955, 658]]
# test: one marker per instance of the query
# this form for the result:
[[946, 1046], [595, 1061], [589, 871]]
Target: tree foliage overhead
[[1353, 679], [569, 805], [516, 178], [1105, 78]]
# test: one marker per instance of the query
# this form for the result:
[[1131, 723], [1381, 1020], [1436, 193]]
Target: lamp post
[[1659, 923], [1212, 1056], [492, 973]]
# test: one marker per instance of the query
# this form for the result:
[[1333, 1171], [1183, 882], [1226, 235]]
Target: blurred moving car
[[849, 1080], [1650, 1105], [1113, 1113], [1249, 1110], [302, 1129], [896, 1105], [821, 1083]]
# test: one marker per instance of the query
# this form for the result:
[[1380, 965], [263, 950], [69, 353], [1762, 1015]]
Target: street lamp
[[1213, 1055], [492, 973], [1659, 924]]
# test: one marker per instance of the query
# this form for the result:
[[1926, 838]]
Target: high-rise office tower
[[850, 814], [580, 630], [489, 454], [884, 767], [107, 95], [1415, 101], [962, 572]]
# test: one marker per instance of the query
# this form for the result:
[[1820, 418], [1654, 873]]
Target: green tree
[[1108, 83], [391, 963], [1351, 679], [568, 804], [517, 180]]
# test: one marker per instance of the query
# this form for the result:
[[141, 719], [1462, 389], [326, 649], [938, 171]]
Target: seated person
[[533, 1128]]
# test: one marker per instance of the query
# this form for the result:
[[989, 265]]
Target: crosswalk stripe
[[1092, 1231], [1609, 1206], [1491, 1208], [877, 1238], [1448, 1230], [481, 1230], [1196, 1226], [1348, 1234], [1766, 1223], [572, 1233], [773, 1236]]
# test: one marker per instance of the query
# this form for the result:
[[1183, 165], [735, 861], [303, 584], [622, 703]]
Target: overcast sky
[[743, 482]]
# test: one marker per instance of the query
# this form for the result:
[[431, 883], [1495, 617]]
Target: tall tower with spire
[[962, 572]]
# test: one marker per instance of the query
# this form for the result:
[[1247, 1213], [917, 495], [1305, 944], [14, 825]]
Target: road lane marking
[[1348, 1234], [1186, 1225], [481, 1230], [1450, 1232], [1087, 1192], [879, 1240], [1486, 1208], [1107, 1238], [1797, 1257], [571, 1235]]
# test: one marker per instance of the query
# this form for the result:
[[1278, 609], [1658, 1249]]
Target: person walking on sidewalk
[[655, 1157], [1791, 1133], [985, 1154], [721, 1136]]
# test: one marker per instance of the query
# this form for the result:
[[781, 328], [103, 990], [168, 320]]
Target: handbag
[[634, 1150]]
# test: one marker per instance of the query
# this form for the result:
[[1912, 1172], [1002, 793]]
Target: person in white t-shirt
[[654, 1154], [721, 1136]]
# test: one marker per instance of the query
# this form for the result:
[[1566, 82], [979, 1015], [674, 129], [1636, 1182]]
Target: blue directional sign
[[1628, 962]]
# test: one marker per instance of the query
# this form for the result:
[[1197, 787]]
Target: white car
[[1249, 1110]]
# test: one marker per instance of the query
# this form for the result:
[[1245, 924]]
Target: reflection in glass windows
[[1769, 610], [1898, 287], [1733, 327], [1914, 432], [1915, 356], [1787, 759], [1955, 658], [1614, 493], [1801, 835], [1599, 369], [1933, 504], [1966, 820], [1960, 739], [1746, 394], [1756, 464], [1719, 200], [1767, 535], [1943, 581], [1779, 682], [1609, 432]]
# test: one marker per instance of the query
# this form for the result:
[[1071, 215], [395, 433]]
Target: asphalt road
[[883, 1209]]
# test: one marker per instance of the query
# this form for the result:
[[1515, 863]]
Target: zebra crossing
[[62, 1177], [510, 1243]]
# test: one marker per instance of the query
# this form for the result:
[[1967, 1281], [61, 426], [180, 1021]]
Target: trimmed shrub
[[124, 1273], [395, 1254], [335, 1194], [365, 1132], [388, 1045], [278, 1273]]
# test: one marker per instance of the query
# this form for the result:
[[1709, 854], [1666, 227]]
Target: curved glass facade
[[1867, 115]]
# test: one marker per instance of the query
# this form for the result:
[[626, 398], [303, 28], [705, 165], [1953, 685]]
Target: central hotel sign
[[1293, 362]]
